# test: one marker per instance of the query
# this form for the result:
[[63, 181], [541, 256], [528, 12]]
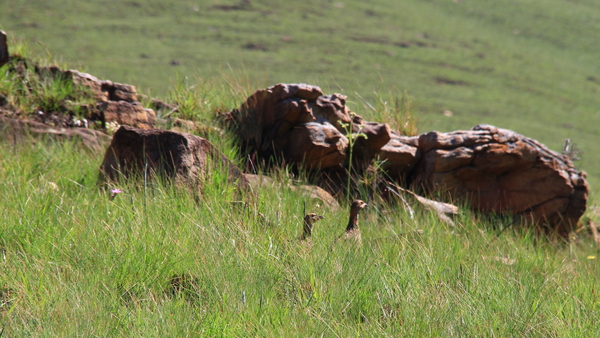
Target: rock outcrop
[[489, 169], [116, 102], [184, 158], [497, 170], [297, 124]]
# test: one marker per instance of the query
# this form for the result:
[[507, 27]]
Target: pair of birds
[[352, 230]]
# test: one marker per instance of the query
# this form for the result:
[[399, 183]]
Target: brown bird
[[352, 230], [309, 219]]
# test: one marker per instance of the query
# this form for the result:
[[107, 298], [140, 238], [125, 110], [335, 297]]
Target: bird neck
[[307, 232], [353, 222]]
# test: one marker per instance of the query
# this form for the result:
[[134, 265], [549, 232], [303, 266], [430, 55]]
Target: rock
[[399, 156], [297, 124], [497, 170], [86, 80], [332, 108], [186, 158], [15, 131], [316, 145], [4, 56], [444, 211], [103, 90], [120, 92], [125, 113], [372, 137]]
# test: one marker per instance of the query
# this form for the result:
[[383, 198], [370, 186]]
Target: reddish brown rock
[[317, 145], [4, 56], [119, 91], [332, 108], [91, 82], [296, 123], [372, 136], [103, 90], [15, 132], [186, 158], [498, 170], [399, 156], [125, 113]]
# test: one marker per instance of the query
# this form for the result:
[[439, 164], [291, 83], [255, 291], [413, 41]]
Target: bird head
[[312, 217], [358, 205]]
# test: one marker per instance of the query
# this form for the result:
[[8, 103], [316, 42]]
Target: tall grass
[[158, 262]]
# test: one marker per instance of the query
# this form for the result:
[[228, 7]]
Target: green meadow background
[[155, 261], [529, 66]]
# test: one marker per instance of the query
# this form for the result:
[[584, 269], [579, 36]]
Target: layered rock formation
[[490, 169], [297, 124], [116, 102], [498, 170]]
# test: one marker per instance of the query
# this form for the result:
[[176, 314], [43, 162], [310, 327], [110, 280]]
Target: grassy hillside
[[155, 261], [527, 66]]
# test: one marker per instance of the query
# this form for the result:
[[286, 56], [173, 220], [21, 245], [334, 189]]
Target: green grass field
[[75, 262], [155, 261], [522, 65]]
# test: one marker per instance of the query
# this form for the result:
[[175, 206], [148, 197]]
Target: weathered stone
[[498, 170], [103, 90], [125, 113], [120, 92], [332, 108], [372, 137], [399, 156], [272, 124], [16, 132], [4, 56], [444, 211], [89, 81], [186, 158], [317, 145]]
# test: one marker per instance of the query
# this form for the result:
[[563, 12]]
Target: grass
[[530, 67], [157, 261], [76, 262]]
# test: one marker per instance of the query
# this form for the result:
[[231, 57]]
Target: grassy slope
[[522, 65], [74, 262]]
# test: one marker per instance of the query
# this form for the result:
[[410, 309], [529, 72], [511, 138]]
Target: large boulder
[[296, 123], [497, 170], [184, 158]]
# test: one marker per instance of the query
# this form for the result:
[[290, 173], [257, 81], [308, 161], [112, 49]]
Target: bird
[[352, 230], [309, 219]]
